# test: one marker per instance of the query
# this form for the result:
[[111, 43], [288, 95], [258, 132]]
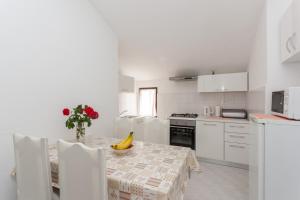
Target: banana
[[126, 139], [124, 144]]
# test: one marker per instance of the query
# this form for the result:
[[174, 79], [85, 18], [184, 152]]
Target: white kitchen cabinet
[[208, 83], [210, 140], [236, 152], [236, 143], [287, 30], [233, 82], [223, 141], [290, 34], [240, 138], [126, 83], [236, 128]]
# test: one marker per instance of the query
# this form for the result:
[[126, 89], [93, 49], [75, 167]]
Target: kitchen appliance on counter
[[234, 113], [286, 103], [218, 111], [212, 111], [206, 111], [183, 131]]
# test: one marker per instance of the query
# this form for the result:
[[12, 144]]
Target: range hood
[[183, 78]]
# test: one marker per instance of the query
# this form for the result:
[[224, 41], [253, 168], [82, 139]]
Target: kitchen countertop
[[214, 119], [271, 119]]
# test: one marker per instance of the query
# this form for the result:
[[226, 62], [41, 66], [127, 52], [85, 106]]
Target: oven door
[[278, 102], [182, 136]]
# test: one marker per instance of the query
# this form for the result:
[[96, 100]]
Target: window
[[148, 102]]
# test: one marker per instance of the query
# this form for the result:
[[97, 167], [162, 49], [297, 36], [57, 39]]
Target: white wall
[[279, 75], [266, 72], [257, 68], [256, 100], [182, 97], [128, 102], [53, 53]]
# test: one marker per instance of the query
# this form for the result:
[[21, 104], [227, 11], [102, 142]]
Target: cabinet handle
[[287, 45], [292, 41], [210, 124], [236, 136], [182, 127], [237, 146], [236, 126]]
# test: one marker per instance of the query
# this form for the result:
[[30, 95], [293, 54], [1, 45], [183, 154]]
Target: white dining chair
[[123, 126], [138, 127], [33, 172], [82, 172], [157, 131]]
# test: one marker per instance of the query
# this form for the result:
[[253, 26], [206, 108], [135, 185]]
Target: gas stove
[[185, 115]]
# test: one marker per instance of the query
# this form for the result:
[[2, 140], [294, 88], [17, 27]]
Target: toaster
[[234, 113]]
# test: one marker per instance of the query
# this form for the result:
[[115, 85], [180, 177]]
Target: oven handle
[[192, 128]]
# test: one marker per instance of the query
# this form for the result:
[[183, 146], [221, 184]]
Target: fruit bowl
[[122, 151]]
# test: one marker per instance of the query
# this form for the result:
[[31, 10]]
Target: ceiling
[[162, 38]]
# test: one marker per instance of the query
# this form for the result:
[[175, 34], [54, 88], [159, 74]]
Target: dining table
[[147, 172]]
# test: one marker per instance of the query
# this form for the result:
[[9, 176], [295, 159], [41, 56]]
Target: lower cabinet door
[[210, 140], [237, 153]]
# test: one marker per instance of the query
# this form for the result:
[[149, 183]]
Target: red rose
[[89, 110], [94, 115], [66, 111]]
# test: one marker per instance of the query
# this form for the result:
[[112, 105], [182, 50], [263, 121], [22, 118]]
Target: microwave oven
[[286, 103]]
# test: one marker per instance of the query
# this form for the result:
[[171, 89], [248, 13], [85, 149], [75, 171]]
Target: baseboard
[[225, 163]]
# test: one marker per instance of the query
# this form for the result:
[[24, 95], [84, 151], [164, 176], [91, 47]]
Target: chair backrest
[[82, 172], [123, 126], [138, 127], [33, 171], [157, 131]]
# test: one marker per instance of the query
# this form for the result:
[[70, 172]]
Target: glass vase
[[80, 133]]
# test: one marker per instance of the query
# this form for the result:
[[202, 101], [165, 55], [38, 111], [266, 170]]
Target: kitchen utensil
[[218, 111], [206, 111]]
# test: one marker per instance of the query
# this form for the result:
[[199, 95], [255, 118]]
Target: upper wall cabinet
[[235, 82], [290, 34], [126, 83]]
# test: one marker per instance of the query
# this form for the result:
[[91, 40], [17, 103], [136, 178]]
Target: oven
[[183, 133]]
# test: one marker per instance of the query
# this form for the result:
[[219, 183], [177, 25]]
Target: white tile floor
[[217, 182]]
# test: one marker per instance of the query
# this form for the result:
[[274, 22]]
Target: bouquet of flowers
[[79, 117]]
